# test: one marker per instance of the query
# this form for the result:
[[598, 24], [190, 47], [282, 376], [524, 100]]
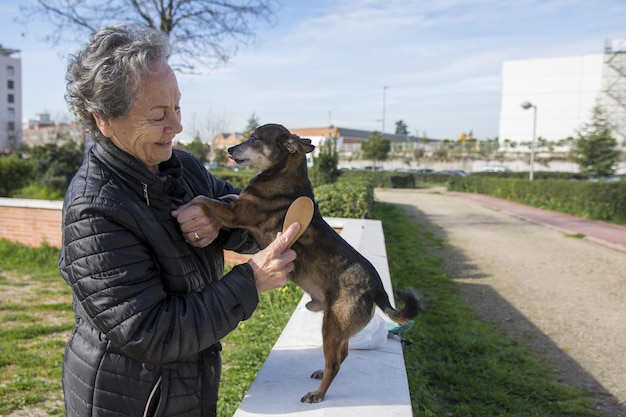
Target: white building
[[10, 99], [564, 91]]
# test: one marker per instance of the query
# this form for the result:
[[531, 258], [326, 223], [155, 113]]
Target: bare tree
[[205, 32], [208, 125]]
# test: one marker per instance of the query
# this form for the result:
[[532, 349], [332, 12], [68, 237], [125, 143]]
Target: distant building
[[10, 99], [564, 91], [348, 140], [225, 141], [42, 130], [222, 142]]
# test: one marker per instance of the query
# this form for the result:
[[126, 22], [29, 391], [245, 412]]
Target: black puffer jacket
[[150, 309]]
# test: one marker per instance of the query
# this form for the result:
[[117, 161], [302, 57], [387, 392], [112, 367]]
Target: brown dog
[[341, 282]]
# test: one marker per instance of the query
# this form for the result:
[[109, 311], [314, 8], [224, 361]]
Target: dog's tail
[[409, 311]]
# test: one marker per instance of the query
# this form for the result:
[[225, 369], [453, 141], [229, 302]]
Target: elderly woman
[[146, 270]]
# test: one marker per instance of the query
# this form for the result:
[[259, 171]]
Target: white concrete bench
[[370, 382]]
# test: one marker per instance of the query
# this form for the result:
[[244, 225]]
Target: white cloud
[[441, 60]]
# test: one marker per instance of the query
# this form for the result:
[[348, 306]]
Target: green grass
[[457, 365], [36, 316], [575, 235]]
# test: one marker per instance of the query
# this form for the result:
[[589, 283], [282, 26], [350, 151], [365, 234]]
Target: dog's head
[[268, 145]]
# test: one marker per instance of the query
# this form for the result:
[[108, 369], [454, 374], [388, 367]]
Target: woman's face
[[147, 131]]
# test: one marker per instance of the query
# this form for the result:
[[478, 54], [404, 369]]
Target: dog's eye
[[252, 138]]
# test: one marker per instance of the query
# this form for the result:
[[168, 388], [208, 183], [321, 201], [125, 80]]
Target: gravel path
[[563, 296]]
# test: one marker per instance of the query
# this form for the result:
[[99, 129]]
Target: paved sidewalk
[[562, 297], [608, 234]]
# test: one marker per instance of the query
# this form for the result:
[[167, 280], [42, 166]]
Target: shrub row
[[538, 175], [387, 179], [593, 200], [351, 196]]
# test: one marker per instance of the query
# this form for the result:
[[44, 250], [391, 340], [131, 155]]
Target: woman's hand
[[198, 229], [272, 265]]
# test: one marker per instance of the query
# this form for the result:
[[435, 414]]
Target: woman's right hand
[[272, 265]]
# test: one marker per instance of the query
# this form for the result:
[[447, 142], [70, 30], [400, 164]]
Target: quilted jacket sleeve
[[238, 240], [119, 288]]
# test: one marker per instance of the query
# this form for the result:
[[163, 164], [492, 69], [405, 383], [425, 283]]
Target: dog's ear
[[296, 144]]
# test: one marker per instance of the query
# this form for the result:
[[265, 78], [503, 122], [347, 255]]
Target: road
[[562, 295]]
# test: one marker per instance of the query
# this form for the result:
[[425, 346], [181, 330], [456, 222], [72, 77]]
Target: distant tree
[[15, 173], [253, 123], [419, 153], [401, 128], [376, 148], [198, 148], [595, 149], [207, 32], [209, 124], [325, 169], [54, 165], [221, 156]]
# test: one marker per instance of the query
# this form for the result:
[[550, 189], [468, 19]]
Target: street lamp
[[527, 105], [384, 103]]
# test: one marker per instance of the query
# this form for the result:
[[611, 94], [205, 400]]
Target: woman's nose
[[175, 124]]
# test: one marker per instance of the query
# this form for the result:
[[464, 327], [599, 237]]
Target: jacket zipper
[[145, 193]]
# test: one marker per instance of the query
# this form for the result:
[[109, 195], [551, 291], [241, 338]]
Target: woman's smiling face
[[147, 131]]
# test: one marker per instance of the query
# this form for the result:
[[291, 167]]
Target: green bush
[[593, 200], [350, 196], [538, 175], [351, 199], [239, 178], [56, 165], [15, 173], [39, 192], [389, 179], [402, 181]]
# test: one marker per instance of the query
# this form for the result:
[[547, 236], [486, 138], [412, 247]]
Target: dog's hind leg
[[335, 346]]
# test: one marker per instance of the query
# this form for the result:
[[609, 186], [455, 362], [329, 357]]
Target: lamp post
[[384, 104], [527, 105]]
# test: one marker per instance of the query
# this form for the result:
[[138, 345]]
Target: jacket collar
[[161, 190]]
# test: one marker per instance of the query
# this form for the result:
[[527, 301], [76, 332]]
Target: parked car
[[496, 168], [607, 178], [416, 170], [455, 172]]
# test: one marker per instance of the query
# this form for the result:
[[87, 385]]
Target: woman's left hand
[[198, 229]]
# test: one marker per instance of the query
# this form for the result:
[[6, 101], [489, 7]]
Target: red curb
[[608, 234]]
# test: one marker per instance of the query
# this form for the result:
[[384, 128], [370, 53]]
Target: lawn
[[457, 365]]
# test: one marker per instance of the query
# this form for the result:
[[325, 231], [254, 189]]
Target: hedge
[[351, 199], [349, 196], [389, 179], [593, 200]]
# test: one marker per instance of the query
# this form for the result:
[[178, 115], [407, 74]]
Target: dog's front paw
[[312, 397], [317, 375]]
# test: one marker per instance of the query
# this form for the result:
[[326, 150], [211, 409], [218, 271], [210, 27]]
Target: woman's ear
[[103, 125]]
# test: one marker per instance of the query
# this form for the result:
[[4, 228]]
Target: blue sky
[[329, 61]]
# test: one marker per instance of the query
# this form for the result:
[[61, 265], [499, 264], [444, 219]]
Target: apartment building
[[10, 99], [563, 91]]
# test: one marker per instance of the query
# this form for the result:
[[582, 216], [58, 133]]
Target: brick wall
[[33, 222], [30, 222]]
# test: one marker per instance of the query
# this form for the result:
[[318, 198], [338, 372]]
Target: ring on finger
[[196, 236]]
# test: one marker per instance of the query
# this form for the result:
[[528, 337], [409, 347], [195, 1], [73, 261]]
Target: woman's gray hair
[[103, 77]]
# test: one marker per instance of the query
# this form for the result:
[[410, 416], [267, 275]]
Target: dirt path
[[563, 296]]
